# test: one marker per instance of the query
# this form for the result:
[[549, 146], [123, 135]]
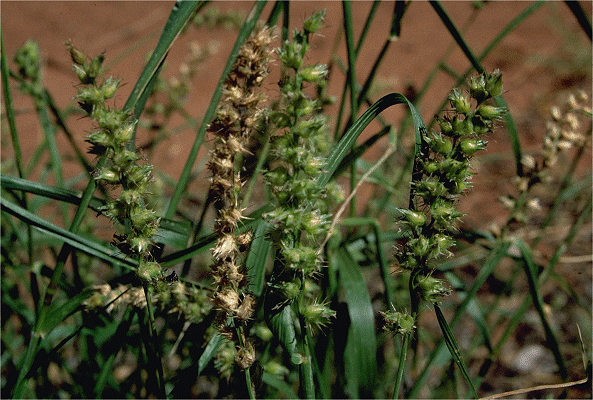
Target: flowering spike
[[441, 174]]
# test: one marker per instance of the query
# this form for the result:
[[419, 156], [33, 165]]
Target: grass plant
[[286, 282]]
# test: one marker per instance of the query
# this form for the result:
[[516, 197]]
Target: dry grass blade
[[534, 388]]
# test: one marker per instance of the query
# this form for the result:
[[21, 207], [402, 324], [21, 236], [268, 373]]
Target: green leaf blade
[[361, 347], [345, 144]]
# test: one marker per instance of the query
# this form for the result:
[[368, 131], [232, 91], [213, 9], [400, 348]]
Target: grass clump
[[236, 277]]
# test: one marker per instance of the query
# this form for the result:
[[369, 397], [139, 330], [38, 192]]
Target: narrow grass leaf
[[351, 73], [49, 130], [457, 36], [569, 193], [348, 139], [474, 309], [307, 389], [518, 316], [358, 151], [531, 271], [171, 232], [257, 257], [202, 244], [367, 25], [285, 20], [17, 306], [281, 322], [9, 107], [401, 368], [581, 16], [179, 16], [106, 369], [399, 9], [278, 8], [59, 117], [49, 191], [453, 346], [209, 352], [378, 240], [513, 134], [21, 383], [361, 347], [76, 241], [383, 264], [21, 390], [280, 385], [58, 313]]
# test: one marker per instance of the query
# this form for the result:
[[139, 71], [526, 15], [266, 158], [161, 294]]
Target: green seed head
[[431, 189], [471, 145], [139, 245], [432, 289], [313, 166], [77, 56], [314, 223], [275, 368], [149, 271], [314, 73], [443, 210], [142, 218], [481, 125], [138, 176], [101, 138], [407, 261], [439, 144], [419, 246], [300, 256], [130, 198], [108, 175], [462, 127], [81, 74], [452, 168], [460, 185], [125, 132], [28, 60], [398, 322], [277, 177], [95, 67], [109, 87], [441, 243], [430, 167], [494, 83], [110, 119], [291, 54], [491, 112], [123, 158], [477, 88], [413, 217], [317, 314], [314, 22], [290, 290], [445, 124], [459, 102]]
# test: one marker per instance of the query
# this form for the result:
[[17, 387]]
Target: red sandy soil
[[544, 58]]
